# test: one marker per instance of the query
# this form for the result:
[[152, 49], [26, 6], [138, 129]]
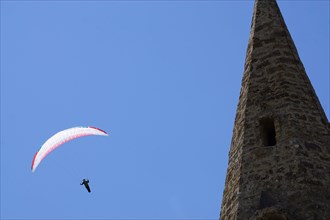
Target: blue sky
[[162, 77]]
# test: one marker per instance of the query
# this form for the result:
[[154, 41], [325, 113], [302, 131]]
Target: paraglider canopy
[[62, 137]]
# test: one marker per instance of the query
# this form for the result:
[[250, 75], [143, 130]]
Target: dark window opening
[[275, 217], [268, 133]]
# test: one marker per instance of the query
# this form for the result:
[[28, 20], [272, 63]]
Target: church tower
[[279, 159]]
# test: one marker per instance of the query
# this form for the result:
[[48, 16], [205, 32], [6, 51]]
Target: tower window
[[275, 217], [268, 134]]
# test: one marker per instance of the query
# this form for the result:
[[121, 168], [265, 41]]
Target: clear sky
[[162, 77]]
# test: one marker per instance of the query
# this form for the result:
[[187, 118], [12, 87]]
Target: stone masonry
[[279, 159]]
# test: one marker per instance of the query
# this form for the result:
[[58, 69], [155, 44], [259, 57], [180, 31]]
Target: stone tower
[[279, 159]]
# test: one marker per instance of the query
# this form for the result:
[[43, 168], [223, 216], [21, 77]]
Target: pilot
[[85, 182]]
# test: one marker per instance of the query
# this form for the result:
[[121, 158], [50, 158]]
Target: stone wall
[[292, 176]]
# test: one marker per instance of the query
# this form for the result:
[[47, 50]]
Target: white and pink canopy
[[60, 138]]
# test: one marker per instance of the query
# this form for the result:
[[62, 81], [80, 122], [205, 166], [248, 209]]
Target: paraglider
[[85, 182], [62, 137]]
